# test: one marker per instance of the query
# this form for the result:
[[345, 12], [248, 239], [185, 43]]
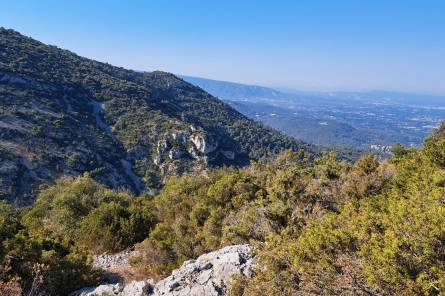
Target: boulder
[[102, 290], [138, 288]]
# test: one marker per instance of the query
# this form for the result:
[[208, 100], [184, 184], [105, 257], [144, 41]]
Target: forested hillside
[[63, 115], [318, 228]]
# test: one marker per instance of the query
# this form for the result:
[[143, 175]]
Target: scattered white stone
[[109, 261]]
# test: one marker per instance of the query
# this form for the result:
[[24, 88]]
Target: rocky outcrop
[[203, 144], [104, 290], [132, 289], [110, 261], [209, 274]]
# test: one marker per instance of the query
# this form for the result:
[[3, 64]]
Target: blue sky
[[301, 44]]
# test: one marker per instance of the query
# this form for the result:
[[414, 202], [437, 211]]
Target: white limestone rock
[[209, 275], [102, 290], [138, 288], [203, 145]]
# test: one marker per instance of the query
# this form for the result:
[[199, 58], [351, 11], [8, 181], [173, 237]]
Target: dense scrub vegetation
[[46, 248], [386, 238], [319, 228], [34, 264], [91, 216]]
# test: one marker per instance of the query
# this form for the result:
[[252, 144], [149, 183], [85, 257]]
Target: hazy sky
[[313, 44]]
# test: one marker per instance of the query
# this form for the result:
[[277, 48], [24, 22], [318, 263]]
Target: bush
[[90, 215], [41, 264], [387, 238], [114, 227]]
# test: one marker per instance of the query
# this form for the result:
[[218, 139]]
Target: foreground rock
[[210, 274]]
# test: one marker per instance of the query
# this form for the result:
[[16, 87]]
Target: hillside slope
[[62, 114]]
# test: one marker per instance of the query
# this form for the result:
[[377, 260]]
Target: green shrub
[[41, 264], [90, 215], [114, 227]]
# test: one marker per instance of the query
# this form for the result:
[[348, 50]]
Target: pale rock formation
[[203, 145], [209, 275]]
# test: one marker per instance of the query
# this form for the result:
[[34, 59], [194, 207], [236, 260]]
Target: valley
[[371, 121]]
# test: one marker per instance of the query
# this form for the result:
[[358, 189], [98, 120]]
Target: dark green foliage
[[41, 264], [47, 249], [198, 214], [82, 211], [113, 226], [434, 146], [387, 238]]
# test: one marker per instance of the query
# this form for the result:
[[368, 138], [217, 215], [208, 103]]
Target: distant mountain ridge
[[231, 90], [358, 120], [62, 114]]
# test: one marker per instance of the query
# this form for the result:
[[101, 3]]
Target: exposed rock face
[[203, 145], [209, 274], [138, 288], [100, 290]]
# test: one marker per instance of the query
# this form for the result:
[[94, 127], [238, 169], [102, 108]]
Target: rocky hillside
[[62, 114], [209, 274]]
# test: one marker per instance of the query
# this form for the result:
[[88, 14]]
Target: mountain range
[[65, 115]]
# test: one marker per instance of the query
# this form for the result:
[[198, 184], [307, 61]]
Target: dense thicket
[[33, 264], [82, 211], [46, 249], [387, 238], [319, 228]]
